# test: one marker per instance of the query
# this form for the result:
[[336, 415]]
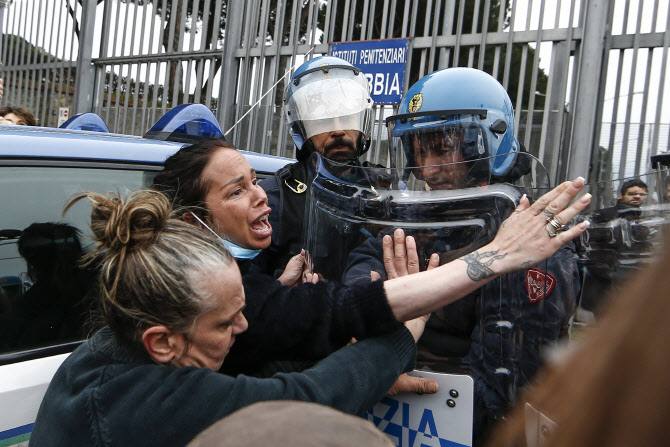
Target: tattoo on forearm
[[478, 267], [527, 264]]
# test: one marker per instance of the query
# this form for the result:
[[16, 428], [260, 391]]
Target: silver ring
[[550, 230], [556, 224]]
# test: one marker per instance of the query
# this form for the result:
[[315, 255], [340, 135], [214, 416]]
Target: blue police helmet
[[327, 94], [466, 99]]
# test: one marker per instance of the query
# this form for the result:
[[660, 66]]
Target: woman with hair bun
[[172, 299]]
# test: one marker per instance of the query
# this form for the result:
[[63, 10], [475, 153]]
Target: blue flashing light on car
[[186, 123], [86, 121]]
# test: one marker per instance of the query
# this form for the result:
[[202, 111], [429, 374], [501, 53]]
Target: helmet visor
[[445, 151], [321, 104]]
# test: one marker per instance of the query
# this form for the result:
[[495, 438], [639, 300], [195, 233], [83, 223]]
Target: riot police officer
[[455, 131], [328, 110]]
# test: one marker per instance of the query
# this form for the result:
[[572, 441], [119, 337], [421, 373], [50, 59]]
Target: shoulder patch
[[539, 284]]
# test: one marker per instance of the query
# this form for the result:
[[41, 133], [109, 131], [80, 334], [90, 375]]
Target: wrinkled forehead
[[226, 165]]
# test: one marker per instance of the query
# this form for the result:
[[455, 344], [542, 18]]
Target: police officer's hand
[[411, 384], [296, 272], [400, 256]]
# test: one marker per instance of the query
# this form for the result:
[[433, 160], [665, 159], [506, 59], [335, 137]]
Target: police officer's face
[[440, 160], [237, 205], [337, 145], [635, 195]]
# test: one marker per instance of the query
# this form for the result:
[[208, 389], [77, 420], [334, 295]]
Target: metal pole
[[85, 83], [229, 64], [586, 99], [3, 4]]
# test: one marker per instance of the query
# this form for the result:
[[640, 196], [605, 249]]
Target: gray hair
[[151, 264]]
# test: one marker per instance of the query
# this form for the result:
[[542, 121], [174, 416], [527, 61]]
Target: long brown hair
[[613, 388]]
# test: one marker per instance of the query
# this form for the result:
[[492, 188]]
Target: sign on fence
[[63, 115], [383, 62]]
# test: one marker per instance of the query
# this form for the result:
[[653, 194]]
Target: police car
[[40, 170]]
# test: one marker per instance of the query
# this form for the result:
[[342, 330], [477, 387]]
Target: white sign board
[[437, 420], [63, 115]]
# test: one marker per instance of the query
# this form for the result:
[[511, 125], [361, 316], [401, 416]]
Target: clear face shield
[[505, 325], [358, 203], [423, 144], [327, 100]]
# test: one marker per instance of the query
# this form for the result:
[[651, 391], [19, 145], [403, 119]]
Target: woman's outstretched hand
[[534, 232], [401, 257], [297, 272]]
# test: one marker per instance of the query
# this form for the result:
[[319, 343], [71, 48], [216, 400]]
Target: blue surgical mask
[[235, 250]]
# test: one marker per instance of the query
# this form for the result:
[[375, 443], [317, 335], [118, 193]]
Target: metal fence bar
[[32, 78], [474, 24], [496, 51], [533, 80], [508, 51], [661, 85], [522, 80], [22, 55], [447, 25], [85, 71], [254, 54], [585, 106], [137, 95], [629, 102], [485, 28], [38, 60], [433, 48]]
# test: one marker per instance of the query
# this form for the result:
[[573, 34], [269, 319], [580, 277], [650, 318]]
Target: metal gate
[[587, 77]]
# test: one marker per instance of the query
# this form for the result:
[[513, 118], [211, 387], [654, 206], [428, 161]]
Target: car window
[[43, 288]]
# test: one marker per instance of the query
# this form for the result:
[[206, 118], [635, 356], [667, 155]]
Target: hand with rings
[[534, 232]]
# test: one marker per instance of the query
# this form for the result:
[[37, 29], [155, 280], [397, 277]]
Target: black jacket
[[105, 395], [307, 322]]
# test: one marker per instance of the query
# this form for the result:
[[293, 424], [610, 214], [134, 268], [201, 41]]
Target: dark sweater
[[104, 395], [306, 322]]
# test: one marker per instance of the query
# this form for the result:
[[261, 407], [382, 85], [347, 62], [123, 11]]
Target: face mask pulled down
[[235, 250]]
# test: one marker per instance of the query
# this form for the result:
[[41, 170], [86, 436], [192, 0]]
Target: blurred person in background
[[632, 195], [19, 116]]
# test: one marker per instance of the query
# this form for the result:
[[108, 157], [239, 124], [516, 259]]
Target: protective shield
[[627, 219], [498, 334], [349, 204]]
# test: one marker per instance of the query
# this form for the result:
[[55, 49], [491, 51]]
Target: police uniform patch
[[539, 284], [415, 103]]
